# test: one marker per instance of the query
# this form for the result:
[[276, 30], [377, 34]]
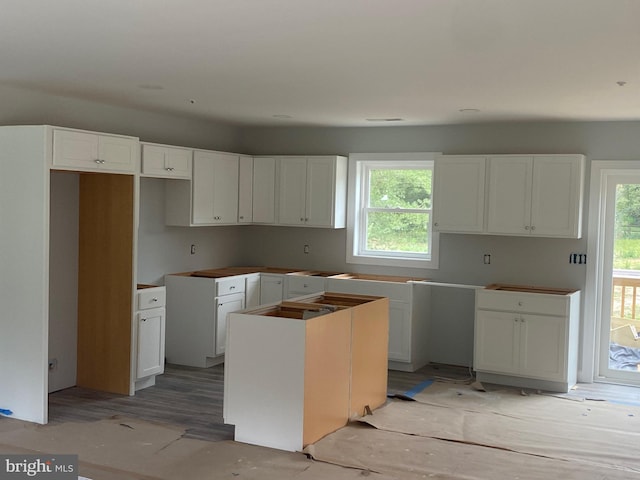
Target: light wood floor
[[192, 398]]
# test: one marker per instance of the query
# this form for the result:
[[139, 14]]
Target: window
[[390, 220]]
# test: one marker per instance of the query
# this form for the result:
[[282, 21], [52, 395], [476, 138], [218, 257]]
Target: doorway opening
[[617, 272]]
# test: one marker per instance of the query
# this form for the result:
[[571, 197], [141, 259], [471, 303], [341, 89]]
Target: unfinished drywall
[[63, 281]]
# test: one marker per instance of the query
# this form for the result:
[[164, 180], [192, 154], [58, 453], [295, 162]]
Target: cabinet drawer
[[225, 286], [544, 304], [151, 298], [301, 285]]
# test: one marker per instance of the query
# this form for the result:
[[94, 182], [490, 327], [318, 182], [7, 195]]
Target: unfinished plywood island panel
[[288, 370]]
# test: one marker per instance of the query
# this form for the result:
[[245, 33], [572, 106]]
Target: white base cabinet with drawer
[[527, 339], [197, 309], [150, 335]]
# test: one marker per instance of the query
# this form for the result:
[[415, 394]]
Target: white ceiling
[[333, 62]]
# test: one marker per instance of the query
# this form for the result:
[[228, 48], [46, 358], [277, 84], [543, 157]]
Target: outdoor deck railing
[[625, 295]]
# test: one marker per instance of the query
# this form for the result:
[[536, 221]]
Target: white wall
[[26, 107], [24, 282], [63, 279], [163, 249]]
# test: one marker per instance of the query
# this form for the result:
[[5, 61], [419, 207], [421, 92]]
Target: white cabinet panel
[[459, 193], [399, 331], [303, 285], [245, 190], [525, 345], [252, 291], [163, 161], [509, 201], [292, 198], [535, 195], [312, 191], [225, 305], [94, 151], [215, 188], [264, 190], [151, 338], [271, 288]]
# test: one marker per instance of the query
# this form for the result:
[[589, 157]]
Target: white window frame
[[359, 164]]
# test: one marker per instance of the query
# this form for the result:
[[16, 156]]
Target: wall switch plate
[[487, 259], [307, 249]]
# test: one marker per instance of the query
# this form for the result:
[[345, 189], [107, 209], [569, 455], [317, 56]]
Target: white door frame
[[601, 174]]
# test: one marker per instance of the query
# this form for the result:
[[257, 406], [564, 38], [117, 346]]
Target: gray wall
[[26, 107]]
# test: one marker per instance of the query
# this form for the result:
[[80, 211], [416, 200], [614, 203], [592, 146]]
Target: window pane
[[397, 232], [400, 188]]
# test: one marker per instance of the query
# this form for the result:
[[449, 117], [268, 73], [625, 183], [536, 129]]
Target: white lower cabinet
[[197, 310], [298, 285], [271, 288], [408, 316], [527, 339], [150, 333], [252, 290], [224, 306]]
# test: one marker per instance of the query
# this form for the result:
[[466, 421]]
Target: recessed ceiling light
[[282, 116], [192, 101], [469, 110], [385, 119], [150, 86]]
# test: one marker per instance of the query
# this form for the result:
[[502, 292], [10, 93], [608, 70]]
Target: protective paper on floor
[[129, 449], [413, 457], [591, 433]]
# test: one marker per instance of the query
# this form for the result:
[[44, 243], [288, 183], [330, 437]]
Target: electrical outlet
[[487, 259], [193, 249], [307, 249]]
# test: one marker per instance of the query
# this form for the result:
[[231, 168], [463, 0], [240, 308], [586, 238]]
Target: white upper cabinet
[[245, 190], [312, 191], [215, 188], [79, 150], [166, 162], [537, 195], [459, 193], [264, 190], [211, 198]]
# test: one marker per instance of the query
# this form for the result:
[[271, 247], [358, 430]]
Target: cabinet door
[[166, 162], [224, 306], [293, 191], [459, 190], [264, 190], [75, 149], [245, 190], [215, 188], [509, 199], [203, 180], [399, 331], [320, 191], [543, 347], [271, 288], [92, 151], [151, 335], [556, 196], [497, 342], [225, 189], [252, 291]]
